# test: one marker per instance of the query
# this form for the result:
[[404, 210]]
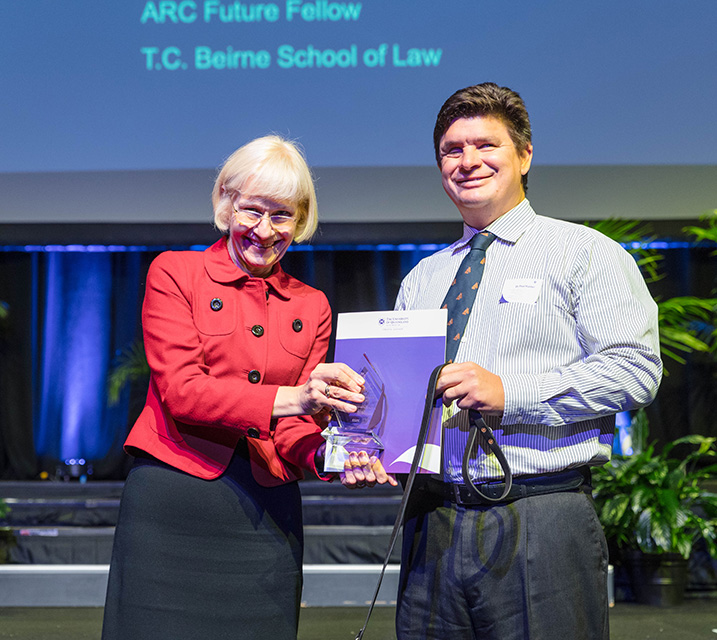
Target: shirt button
[[216, 304], [252, 432], [257, 330], [297, 325], [254, 376]]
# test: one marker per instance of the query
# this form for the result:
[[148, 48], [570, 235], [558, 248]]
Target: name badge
[[522, 290]]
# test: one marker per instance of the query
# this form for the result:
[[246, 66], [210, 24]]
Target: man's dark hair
[[486, 99]]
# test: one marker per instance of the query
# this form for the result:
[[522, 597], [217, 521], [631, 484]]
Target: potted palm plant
[[687, 323], [654, 506], [131, 366], [7, 538], [6, 535]]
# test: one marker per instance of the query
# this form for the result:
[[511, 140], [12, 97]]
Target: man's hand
[[473, 387]]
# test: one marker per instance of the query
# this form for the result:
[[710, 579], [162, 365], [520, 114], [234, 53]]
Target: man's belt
[[522, 487]]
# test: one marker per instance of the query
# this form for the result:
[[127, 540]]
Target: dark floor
[[695, 619]]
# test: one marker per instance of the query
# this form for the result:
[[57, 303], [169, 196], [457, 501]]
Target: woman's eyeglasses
[[251, 217]]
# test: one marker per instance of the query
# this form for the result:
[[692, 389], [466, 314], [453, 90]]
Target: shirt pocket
[[297, 333], [528, 330], [215, 313]]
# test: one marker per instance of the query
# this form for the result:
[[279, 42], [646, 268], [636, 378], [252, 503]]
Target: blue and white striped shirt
[[563, 316]]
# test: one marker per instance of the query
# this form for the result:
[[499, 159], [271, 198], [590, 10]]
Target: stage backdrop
[[114, 116]]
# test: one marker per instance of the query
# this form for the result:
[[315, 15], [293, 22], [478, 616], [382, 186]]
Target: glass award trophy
[[359, 431]]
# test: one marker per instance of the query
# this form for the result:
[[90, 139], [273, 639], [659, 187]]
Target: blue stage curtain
[[90, 311]]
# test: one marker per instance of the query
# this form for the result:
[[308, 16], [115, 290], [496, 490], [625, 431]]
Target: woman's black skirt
[[204, 559]]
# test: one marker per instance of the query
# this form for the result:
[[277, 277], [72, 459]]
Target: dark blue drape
[[73, 310], [89, 313]]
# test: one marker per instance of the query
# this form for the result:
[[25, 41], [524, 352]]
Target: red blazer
[[219, 343]]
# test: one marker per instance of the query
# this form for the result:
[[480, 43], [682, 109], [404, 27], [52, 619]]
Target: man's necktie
[[457, 444], [462, 292]]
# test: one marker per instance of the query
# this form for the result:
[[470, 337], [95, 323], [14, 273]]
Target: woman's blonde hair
[[277, 169]]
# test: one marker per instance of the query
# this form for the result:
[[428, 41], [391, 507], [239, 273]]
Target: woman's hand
[[332, 386], [361, 471]]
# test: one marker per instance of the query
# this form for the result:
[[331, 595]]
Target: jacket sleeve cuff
[[307, 450], [256, 419]]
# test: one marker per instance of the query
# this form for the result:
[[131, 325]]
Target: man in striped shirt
[[562, 335]]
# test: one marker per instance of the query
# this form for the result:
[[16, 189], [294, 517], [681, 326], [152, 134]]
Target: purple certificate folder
[[395, 352]]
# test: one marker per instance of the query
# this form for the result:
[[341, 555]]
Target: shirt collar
[[220, 268], [509, 227]]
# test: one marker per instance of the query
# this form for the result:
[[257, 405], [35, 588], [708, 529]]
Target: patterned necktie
[[462, 292]]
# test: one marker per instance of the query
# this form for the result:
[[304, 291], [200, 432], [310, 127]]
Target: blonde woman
[[209, 540]]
